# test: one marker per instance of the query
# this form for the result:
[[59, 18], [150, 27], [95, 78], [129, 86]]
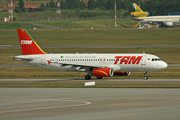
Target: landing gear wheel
[[87, 77], [145, 75], [99, 77]]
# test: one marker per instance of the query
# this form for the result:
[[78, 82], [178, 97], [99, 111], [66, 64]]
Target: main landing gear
[[87, 77], [99, 77], [145, 75]]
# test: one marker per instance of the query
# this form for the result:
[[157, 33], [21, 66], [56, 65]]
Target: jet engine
[[139, 14], [169, 24], [103, 72], [120, 73]]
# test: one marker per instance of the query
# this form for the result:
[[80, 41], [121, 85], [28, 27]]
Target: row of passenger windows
[[81, 60], [87, 60]]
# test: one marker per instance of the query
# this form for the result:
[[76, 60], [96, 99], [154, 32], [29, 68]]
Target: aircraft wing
[[82, 66], [78, 67]]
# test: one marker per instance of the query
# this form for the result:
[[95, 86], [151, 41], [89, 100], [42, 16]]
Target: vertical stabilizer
[[28, 45], [136, 7], [138, 12]]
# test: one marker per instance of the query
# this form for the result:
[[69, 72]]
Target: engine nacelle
[[120, 73], [169, 24], [103, 72], [139, 14]]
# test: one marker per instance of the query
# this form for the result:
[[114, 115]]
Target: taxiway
[[103, 81], [89, 104]]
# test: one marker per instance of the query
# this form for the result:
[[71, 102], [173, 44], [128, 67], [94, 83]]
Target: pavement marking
[[83, 103]]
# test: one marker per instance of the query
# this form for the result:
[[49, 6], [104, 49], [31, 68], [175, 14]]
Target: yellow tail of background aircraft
[[138, 12], [143, 17]]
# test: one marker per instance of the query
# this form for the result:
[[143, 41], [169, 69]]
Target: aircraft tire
[[145, 77], [87, 77], [99, 77]]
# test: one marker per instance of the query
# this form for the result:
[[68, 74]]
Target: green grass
[[102, 23], [52, 23], [16, 25], [148, 37], [68, 23]]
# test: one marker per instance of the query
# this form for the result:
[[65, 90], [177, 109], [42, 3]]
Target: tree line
[[154, 7]]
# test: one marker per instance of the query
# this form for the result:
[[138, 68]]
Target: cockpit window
[[159, 59], [156, 59]]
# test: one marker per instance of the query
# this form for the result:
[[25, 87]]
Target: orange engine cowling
[[103, 72], [120, 73]]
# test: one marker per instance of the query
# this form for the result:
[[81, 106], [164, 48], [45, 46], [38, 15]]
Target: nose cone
[[160, 65], [163, 65]]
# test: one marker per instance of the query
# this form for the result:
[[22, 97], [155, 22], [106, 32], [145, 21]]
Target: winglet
[[28, 45]]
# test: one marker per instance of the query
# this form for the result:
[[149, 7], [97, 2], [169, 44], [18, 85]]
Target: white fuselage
[[82, 62], [160, 19]]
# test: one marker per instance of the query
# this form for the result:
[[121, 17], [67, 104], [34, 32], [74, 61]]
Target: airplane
[[141, 16], [99, 65]]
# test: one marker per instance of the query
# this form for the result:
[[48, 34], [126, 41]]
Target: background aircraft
[[99, 65], [141, 16]]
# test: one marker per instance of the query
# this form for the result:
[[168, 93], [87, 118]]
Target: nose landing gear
[[145, 75]]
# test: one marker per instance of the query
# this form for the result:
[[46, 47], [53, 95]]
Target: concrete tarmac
[[101, 81], [89, 104]]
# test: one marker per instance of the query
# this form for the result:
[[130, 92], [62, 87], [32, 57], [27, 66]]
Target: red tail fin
[[28, 45]]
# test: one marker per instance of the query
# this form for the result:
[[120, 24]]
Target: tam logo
[[128, 59], [26, 42]]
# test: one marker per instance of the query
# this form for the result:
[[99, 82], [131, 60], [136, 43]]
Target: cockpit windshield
[[156, 59]]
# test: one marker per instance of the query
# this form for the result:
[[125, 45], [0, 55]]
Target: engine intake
[[169, 24], [120, 73]]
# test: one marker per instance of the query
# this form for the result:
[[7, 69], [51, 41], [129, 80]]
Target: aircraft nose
[[161, 65], [164, 65]]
